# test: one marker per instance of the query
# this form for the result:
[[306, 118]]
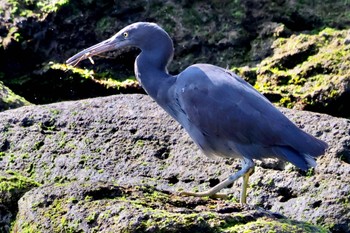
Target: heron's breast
[[213, 145]]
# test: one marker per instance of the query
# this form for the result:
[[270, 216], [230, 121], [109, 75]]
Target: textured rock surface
[[127, 142], [36, 37], [103, 207], [307, 71], [9, 100]]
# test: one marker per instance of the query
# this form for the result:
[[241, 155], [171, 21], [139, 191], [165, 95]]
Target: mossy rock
[[224, 33], [58, 82], [127, 140], [12, 187], [107, 207], [307, 71], [9, 100], [30, 8]]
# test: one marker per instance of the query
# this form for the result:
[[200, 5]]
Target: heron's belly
[[215, 146], [221, 149], [210, 145]]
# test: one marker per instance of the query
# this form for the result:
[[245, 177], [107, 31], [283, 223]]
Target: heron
[[222, 113]]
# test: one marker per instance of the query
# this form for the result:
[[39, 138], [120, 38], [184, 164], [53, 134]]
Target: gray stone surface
[[127, 141]]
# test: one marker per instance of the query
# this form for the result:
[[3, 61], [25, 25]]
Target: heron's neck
[[151, 72]]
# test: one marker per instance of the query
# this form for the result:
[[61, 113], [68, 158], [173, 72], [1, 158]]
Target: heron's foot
[[205, 194]]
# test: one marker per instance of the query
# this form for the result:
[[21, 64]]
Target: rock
[[262, 45], [127, 142], [9, 100], [12, 186], [309, 72], [225, 33], [108, 207]]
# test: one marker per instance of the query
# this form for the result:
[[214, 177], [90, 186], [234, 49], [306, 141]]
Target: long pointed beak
[[104, 46]]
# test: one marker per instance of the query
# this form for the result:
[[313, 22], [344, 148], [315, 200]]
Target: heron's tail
[[303, 159], [314, 147]]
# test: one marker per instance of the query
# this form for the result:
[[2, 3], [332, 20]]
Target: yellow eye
[[125, 34]]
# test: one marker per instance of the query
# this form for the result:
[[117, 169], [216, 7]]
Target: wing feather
[[224, 107]]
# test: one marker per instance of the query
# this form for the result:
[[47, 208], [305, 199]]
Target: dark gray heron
[[223, 114]]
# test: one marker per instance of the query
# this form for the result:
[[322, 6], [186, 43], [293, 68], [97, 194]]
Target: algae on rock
[[307, 71], [9, 100], [126, 142], [107, 207]]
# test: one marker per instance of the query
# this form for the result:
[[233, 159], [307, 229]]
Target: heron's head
[[142, 35]]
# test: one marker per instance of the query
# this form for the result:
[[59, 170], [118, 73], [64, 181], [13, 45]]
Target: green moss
[[112, 83], [154, 211], [278, 225], [38, 145], [310, 172], [55, 112], [9, 99], [286, 102], [84, 73], [91, 217], [304, 70], [27, 228], [104, 78], [32, 8], [140, 143], [12, 187], [56, 212], [15, 182]]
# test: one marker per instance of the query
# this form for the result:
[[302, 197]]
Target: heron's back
[[226, 116]]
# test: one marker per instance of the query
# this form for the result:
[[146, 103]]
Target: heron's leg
[[245, 185], [247, 166]]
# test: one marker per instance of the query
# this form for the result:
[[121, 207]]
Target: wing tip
[[310, 161]]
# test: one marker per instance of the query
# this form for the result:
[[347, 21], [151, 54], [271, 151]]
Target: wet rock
[[127, 141]]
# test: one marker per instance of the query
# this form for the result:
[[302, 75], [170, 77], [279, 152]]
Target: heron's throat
[[151, 65], [153, 74]]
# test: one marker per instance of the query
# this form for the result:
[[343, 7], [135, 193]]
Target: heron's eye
[[125, 34]]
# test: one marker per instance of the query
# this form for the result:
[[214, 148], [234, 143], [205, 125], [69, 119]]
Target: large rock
[[307, 71], [107, 207], [98, 158], [34, 35]]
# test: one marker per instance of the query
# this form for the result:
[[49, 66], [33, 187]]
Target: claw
[[247, 169]]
